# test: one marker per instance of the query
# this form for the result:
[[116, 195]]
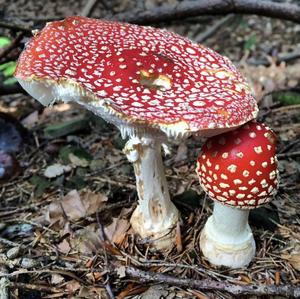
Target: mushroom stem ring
[[155, 216]]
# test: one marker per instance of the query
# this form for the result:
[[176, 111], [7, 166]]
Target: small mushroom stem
[[155, 217], [226, 238]]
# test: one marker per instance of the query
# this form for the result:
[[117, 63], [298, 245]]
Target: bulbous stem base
[[227, 239]]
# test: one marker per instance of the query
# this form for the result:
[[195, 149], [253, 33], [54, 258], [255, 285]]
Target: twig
[[103, 239], [11, 89], [35, 287], [291, 291], [213, 29], [87, 10], [288, 155], [190, 8], [15, 27]]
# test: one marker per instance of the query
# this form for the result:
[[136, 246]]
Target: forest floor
[[51, 229]]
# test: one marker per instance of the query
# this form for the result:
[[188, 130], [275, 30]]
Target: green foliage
[[287, 98], [75, 155], [66, 128], [250, 43], [4, 41], [40, 183]]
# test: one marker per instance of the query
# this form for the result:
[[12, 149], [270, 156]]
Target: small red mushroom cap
[[142, 75], [239, 168]]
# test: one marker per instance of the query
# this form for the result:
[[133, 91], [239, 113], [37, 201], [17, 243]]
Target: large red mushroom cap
[[144, 76], [239, 168]]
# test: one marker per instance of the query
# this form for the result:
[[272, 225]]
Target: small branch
[[214, 28], [185, 9], [288, 155], [291, 291], [15, 27], [87, 10], [11, 89]]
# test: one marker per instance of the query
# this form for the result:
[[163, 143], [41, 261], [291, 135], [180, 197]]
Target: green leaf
[[287, 98], [66, 128], [40, 184], [250, 43], [10, 81], [75, 155], [10, 69], [4, 41]]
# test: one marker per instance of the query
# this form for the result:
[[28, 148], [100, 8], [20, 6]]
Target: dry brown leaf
[[115, 232], [293, 259], [72, 286], [74, 206], [64, 246], [86, 240]]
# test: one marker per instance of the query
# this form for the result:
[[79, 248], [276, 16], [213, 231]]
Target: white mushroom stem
[[155, 217], [227, 238]]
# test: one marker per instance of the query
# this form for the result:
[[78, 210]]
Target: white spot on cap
[[252, 134], [223, 185], [190, 50], [232, 192], [209, 179], [269, 147], [240, 196], [258, 173], [237, 181], [252, 202], [199, 103], [224, 176], [232, 168], [264, 183], [240, 155], [264, 164], [258, 149], [216, 189], [254, 190], [203, 168], [252, 163], [217, 167], [208, 163], [221, 198], [243, 188], [251, 182], [272, 175], [225, 155], [246, 173]]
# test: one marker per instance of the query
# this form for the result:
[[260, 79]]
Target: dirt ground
[[50, 228]]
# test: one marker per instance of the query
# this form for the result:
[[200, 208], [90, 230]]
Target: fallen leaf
[[116, 231], [55, 170], [86, 240], [74, 206], [64, 246], [56, 279], [293, 259]]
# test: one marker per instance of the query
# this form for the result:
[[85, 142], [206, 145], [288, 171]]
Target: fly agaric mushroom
[[239, 172], [151, 83]]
